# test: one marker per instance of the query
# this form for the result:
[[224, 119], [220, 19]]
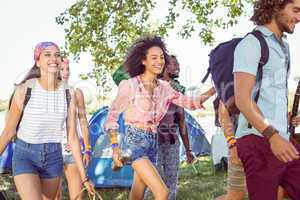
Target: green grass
[[198, 182]]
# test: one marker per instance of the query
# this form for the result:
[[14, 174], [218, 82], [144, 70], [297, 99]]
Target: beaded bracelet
[[88, 147], [88, 152], [114, 145], [229, 137], [232, 141]]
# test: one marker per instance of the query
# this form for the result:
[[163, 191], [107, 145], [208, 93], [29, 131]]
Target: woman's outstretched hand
[[206, 95]]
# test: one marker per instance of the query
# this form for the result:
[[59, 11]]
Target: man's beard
[[282, 23]]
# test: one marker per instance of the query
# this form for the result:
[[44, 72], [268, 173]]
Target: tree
[[106, 28]]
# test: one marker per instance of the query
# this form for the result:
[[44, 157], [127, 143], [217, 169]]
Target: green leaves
[[105, 29]]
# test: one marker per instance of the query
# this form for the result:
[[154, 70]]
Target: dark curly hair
[[138, 51], [264, 10]]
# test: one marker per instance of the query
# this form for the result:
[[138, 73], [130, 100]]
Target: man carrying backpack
[[269, 158]]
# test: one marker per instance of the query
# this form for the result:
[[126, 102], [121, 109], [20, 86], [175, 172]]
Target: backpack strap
[[263, 60], [67, 93], [29, 84], [68, 97], [27, 97], [206, 75], [68, 100]]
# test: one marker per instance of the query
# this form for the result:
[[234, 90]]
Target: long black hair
[[138, 51]]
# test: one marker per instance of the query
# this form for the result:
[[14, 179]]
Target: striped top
[[44, 116]]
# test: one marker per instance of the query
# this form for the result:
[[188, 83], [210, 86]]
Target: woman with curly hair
[[144, 100]]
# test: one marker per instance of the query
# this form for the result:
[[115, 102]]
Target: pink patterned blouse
[[143, 110]]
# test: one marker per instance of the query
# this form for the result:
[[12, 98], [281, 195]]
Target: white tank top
[[44, 116]]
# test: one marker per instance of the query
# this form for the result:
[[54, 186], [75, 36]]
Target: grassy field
[[197, 182]]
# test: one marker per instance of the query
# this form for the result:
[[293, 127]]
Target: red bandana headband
[[40, 47]]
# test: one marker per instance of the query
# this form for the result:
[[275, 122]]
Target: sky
[[25, 23]]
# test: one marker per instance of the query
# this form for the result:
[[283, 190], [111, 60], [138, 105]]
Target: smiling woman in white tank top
[[39, 108]]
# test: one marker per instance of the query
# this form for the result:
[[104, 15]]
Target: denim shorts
[[68, 159], [44, 159], [140, 144]]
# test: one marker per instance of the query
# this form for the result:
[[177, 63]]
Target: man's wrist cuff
[[269, 132]]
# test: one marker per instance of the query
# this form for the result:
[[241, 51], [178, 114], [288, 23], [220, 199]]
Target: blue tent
[[6, 159], [100, 171], [199, 143]]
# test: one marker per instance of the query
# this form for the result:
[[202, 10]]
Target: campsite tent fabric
[[6, 159], [199, 143], [100, 171], [219, 146]]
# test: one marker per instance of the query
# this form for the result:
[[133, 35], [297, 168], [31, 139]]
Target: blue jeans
[[140, 144], [44, 160]]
